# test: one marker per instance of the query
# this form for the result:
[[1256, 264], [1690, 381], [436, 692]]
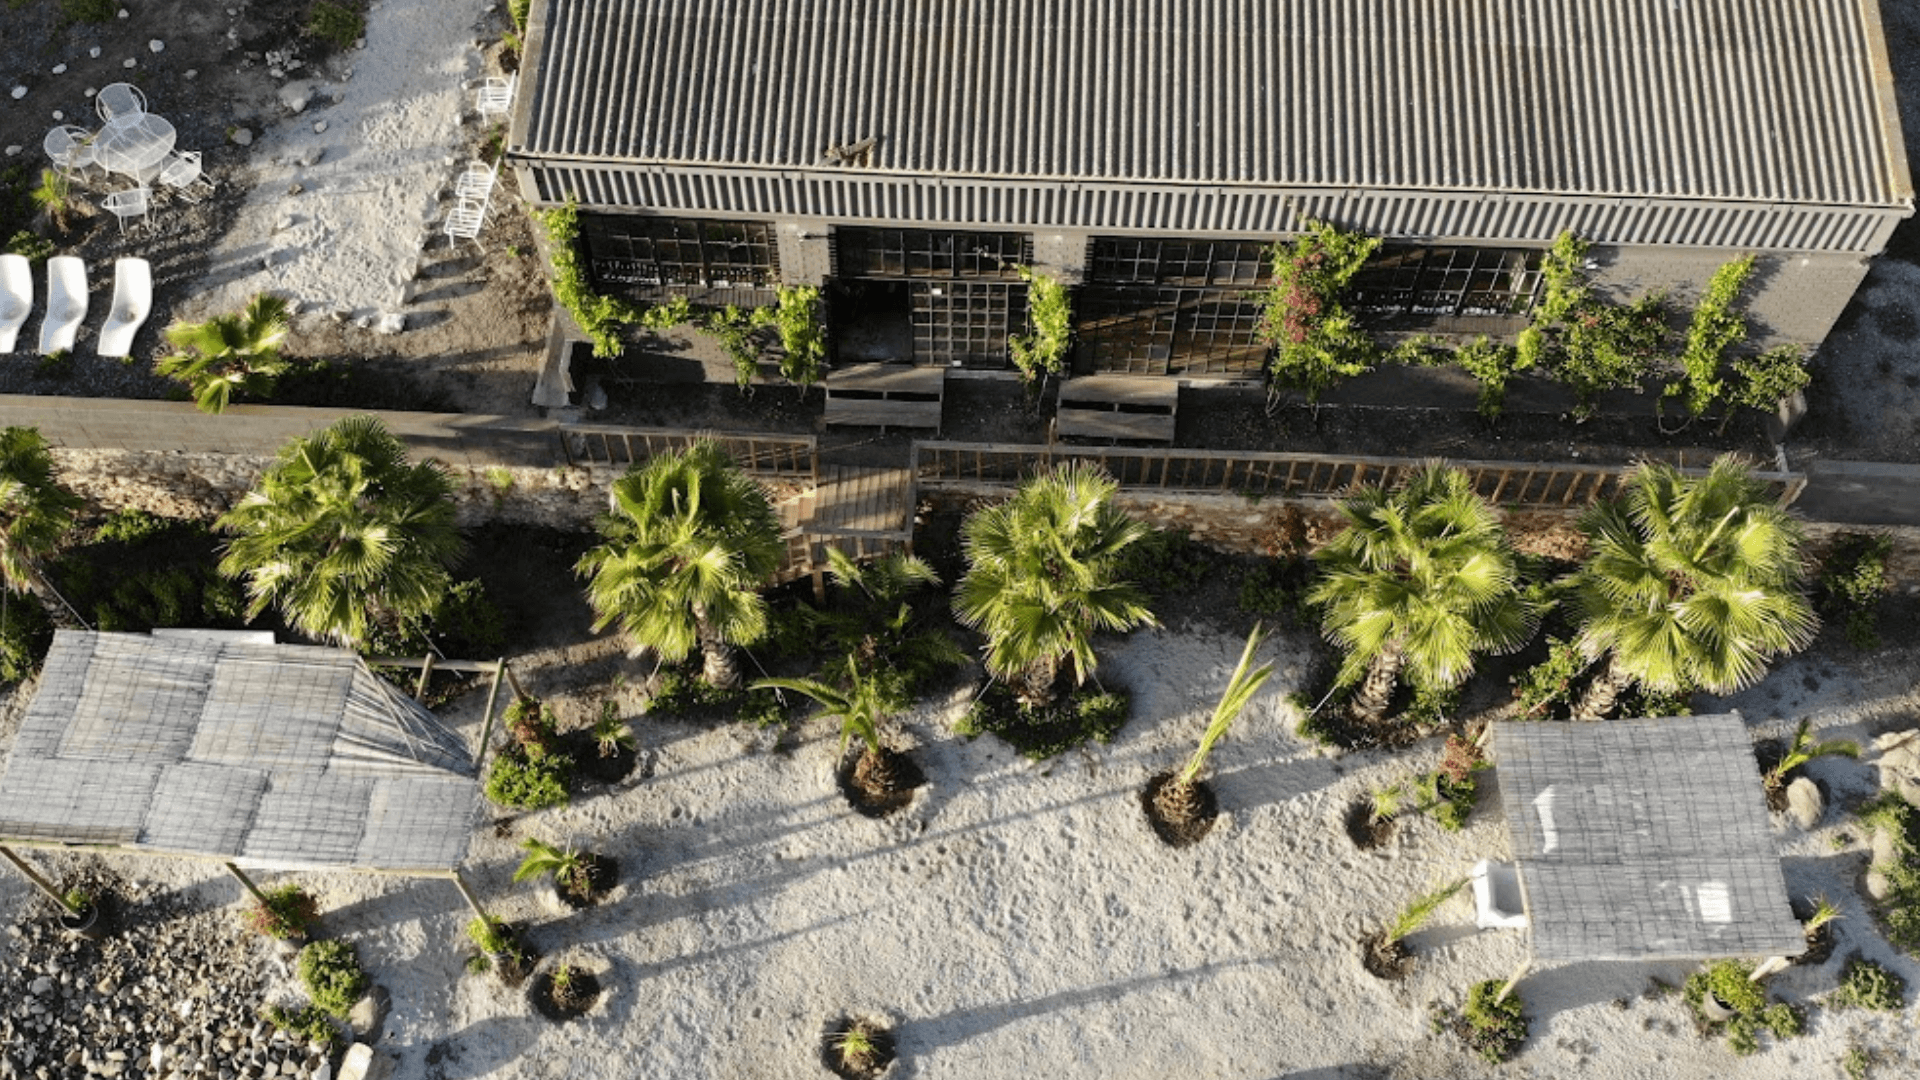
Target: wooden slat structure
[[886, 395], [1116, 407], [865, 513], [791, 457], [1512, 484]]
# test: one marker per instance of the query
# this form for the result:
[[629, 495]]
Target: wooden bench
[[1116, 407], [886, 395]]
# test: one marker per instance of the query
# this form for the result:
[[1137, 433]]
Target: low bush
[[1549, 688], [25, 636], [1853, 578], [1166, 561], [285, 913], [1277, 590], [1493, 1028], [682, 694], [1901, 907], [1731, 982], [529, 778], [1866, 985], [338, 25], [332, 976], [530, 722], [305, 1024], [137, 571], [1040, 732], [89, 11]]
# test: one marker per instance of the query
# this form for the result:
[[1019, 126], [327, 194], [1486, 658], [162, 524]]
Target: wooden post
[[486, 726], [466, 893], [426, 672], [518, 690], [1772, 964], [39, 882], [1514, 979], [246, 882]]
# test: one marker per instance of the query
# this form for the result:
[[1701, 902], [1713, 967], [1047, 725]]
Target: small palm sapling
[[609, 733], [572, 871], [1804, 749], [1178, 799], [859, 708]]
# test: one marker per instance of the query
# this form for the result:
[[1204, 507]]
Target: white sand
[[1019, 921], [349, 241]]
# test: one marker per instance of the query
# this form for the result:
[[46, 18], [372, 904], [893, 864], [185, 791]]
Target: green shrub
[[529, 778], [89, 11], [1547, 688], [31, 246], [1853, 578], [1040, 732], [1731, 982], [490, 934], [1166, 561], [25, 636], [1866, 985], [303, 1025], [1315, 341], [332, 976], [336, 24], [1493, 1028], [138, 571], [286, 913]]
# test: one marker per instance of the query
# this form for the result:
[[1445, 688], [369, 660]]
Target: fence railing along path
[[1270, 474]]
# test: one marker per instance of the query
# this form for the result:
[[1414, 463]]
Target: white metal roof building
[[1647, 126]]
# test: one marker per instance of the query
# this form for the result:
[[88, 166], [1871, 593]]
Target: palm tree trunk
[[720, 664], [1178, 801], [1034, 686], [1603, 693], [1376, 693], [59, 614]]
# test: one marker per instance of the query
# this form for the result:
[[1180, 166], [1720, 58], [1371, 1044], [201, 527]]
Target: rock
[[1804, 804], [124, 13], [59, 69], [39, 986], [369, 1014], [11, 151], [129, 62], [107, 987], [19, 92], [596, 397], [1885, 851], [156, 46], [391, 322], [242, 137], [361, 1063], [58, 115], [94, 52], [311, 156], [193, 73], [1877, 885], [113, 1068], [319, 127], [295, 96]]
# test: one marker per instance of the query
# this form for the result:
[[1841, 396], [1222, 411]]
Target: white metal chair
[[182, 171], [496, 95], [133, 202], [66, 304], [132, 302], [464, 221], [476, 182], [119, 99], [70, 147], [16, 298]]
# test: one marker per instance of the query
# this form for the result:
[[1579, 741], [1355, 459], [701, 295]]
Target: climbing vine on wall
[[800, 319], [1044, 351], [1315, 340]]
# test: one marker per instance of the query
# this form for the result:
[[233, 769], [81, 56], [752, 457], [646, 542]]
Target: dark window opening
[[1133, 261], [1169, 331], [928, 253], [645, 257], [1447, 282]]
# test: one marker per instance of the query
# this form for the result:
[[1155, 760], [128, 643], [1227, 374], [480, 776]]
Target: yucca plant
[[572, 871], [1178, 798], [1824, 912], [54, 195], [1803, 749], [610, 733]]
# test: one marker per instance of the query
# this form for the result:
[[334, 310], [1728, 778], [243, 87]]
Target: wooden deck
[[886, 395], [863, 512], [1116, 407]]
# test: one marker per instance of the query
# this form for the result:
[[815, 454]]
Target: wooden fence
[[1256, 474], [786, 456]]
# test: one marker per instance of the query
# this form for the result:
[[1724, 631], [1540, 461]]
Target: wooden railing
[[1257, 474], [786, 456]]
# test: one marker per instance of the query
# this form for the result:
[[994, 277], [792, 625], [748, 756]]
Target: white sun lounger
[[16, 298], [66, 303], [132, 300]]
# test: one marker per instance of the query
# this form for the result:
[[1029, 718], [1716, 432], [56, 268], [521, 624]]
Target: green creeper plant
[[36, 511], [1715, 328], [1422, 579], [332, 975], [1688, 583], [1316, 342], [598, 316], [228, 353], [733, 329], [342, 532], [1178, 800], [1043, 352], [1492, 365], [1042, 577], [688, 545], [800, 319], [1583, 341], [1764, 380]]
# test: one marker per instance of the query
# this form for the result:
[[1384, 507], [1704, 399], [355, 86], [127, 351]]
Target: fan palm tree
[[1042, 577], [1178, 800], [689, 543], [1689, 584], [228, 353], [859, 708], [35, 512], [342, 534], [1420, 582]]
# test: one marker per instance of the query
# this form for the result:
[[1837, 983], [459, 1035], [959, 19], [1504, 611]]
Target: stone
[[1804, 804], [310, 156], [94, 52], [1877, 885], [319, 127], [361, 1063], [242, 137], [19, 92], [11, 151], [58, 115], [156, 46], [391, 322], [296, 95], [1885, 851], [596, 397], [40, 986], [59, 69], [369, 1014], [129, 62], [113, 1068], [124, 13], [193, 73]]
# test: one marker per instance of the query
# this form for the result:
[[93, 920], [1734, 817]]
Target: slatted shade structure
[[1643, 839], [283, 756]]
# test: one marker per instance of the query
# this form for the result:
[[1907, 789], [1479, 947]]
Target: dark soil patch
[[513, 967], [1179, 833], [591, 765], [1383, 959], [1366, 831], [560, 1005], [1821, 942], [879, 792], [866, 1066], [603, 872]]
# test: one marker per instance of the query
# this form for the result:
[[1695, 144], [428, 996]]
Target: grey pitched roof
[[1643, 838], [282, 755], [1787, 100]]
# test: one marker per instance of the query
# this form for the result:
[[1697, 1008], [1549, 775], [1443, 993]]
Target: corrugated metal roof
[[284, 755], [1643, 838], [1772, 100]]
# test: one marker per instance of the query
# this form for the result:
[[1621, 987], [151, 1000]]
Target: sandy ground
[[1020, 920]]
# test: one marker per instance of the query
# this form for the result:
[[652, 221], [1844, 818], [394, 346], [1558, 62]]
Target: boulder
[[1805, 804], [362, 1063], [1877, 885], [369, 1015]]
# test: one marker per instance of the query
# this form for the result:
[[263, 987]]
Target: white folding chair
[[182, 171], [132, 301], [119, 99], [16, 298], [70, 147], [66, 304], [464, 221], [133, 202], [476, 182], [496, 95]]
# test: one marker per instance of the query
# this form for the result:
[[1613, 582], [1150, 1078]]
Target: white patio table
[[135, 144]]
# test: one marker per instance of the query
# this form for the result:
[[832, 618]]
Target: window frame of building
[[646, 256]]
